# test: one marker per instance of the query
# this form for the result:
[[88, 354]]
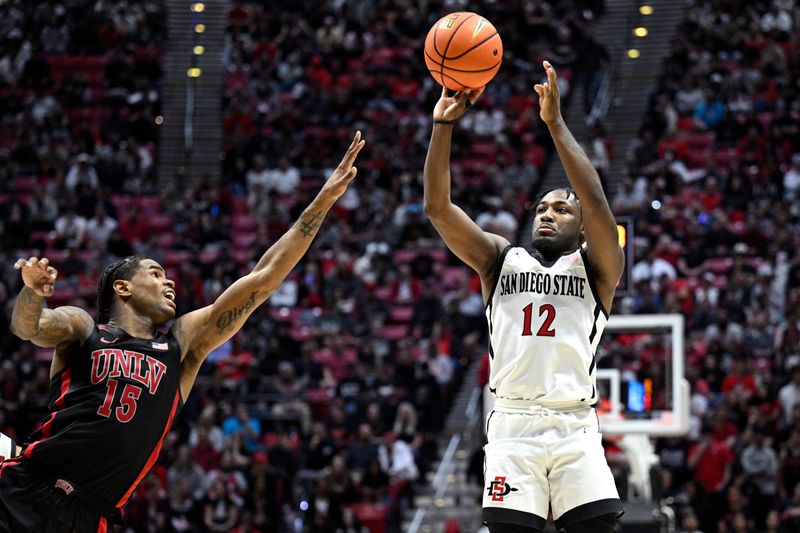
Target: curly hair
[[123, 269], [569, 191]]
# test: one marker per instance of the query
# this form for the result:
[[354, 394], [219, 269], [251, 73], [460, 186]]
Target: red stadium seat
[[160, 223], [372, 515], [209, 255], [242, 223], [404, 256], [401, 313], [176, 257], [149, 204], [244, 240], [395, 332], [239, 206], [701, 140], [122, 202]]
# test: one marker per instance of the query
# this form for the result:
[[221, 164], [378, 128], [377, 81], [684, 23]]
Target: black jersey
[[110, 409]]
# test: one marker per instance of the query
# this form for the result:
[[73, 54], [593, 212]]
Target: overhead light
[[159, 120], [646, 10], [199, 49], [200, 28], [633, 53], [194, 72], [198, 7], [641, 31]]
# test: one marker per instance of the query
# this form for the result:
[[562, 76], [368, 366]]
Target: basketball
[[463, 51]]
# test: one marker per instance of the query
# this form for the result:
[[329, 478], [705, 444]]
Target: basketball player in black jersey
[[546, 307], [118, 382]]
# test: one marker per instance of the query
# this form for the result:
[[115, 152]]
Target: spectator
[[789, 396], [242, 422], [184, 472], [82, 174], [496, 219], [99, 228], [220, 512], [396, 458], [791, 180], [70, 229], [760, 465]]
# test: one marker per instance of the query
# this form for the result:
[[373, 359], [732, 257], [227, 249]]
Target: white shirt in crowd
[[401, 463], [788, 397], [653, 270]]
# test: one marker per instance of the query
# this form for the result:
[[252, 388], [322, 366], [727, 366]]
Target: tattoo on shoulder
[[229, 318], [309, 227]]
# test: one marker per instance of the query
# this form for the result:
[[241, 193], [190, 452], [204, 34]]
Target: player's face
[[152, 293], [557, 223]]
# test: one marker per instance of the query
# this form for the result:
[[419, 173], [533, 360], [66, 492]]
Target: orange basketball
[[463, 51]]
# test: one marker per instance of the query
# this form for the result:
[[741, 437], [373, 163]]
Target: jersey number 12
[[545, 329]]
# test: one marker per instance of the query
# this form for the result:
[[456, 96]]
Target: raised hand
[[38, 275], [344, 173], [451, 108], [549, 95]]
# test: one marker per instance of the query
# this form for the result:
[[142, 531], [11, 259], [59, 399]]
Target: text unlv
[[113, 363]]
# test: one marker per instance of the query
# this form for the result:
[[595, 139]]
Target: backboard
[[640, 376]]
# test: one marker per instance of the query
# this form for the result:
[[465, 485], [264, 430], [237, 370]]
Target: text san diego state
[[543, 283]]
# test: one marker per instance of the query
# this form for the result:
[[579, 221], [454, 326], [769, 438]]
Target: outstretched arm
[[200, 331], [600, 227], [47, 328], [466, 239]]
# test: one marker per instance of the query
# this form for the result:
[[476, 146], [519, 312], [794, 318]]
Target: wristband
[[446, 122]]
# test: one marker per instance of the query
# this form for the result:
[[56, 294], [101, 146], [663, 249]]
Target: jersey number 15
[[127, 408], [545, 329]]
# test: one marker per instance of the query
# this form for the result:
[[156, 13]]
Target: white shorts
[[537, 459]]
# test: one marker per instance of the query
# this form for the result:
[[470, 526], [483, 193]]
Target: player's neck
[[550, 256], [134, 325]]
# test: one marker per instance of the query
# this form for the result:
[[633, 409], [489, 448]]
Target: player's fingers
[[18, 264], [444, 91], [352, 175], [351, 157], [45, 262], [539, 89], [53, 272], [551, 73], [32, 261], [351, 152]]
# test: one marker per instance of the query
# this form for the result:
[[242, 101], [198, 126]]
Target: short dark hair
[[569, 190], [123, 269]]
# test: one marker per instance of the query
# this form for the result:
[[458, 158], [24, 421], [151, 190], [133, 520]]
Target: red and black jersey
[[110, 409]]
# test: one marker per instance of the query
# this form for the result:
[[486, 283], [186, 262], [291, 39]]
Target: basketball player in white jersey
[[546, 306]]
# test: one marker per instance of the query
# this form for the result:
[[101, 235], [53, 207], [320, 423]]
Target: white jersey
[[545, 322]]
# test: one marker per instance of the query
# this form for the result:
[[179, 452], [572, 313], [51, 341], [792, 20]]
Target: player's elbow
[[434, 209], [22, 333]]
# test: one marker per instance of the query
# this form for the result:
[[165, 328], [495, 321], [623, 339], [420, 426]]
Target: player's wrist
[[556, 122], [32, 293]]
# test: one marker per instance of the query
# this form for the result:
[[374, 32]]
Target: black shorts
[[32, 501]]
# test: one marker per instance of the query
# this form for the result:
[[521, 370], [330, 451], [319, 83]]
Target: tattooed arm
[[201, 331], [47, 328]]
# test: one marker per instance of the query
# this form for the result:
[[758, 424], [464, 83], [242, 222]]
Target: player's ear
[[122, 287]]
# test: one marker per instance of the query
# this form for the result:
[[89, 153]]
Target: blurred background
[[196, 133]]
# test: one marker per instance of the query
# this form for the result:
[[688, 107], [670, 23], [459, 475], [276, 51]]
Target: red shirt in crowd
[[714, 460]]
